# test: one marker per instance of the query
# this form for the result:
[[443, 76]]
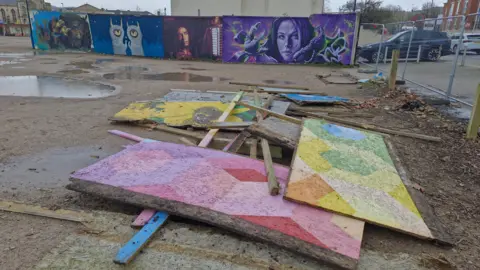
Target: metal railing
[[440, 41]]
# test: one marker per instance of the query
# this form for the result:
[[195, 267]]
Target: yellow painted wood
[[209, 137], [474, 124]]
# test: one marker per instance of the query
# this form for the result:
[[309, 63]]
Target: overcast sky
[[153, 5]]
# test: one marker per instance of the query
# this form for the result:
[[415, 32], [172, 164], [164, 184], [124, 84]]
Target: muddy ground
[[43, 139]]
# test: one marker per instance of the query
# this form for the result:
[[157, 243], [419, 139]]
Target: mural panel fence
[[318, 39]]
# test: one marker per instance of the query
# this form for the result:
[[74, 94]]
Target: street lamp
[[30, 24]]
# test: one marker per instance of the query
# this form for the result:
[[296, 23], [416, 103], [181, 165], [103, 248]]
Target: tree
[[430, 10], [371, 11]]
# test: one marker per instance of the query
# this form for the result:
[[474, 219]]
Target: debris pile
[[342, 174]]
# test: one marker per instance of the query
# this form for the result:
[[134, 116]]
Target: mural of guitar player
[[192, 37], [61, 31], [288, 40]]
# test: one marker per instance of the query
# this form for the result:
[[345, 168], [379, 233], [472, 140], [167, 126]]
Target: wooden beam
[[375, 128], [272, 113], [227, 125], [187, 141], [273, 186], [36, 210], [392, 79], [128, 252], [270, 85], [143, 218], [209, 137], [283, 91], [474, 124], [330, 112], [253, 149]]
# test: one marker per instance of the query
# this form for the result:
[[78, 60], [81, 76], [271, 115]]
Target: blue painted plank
[[140, 239], [314, 98]]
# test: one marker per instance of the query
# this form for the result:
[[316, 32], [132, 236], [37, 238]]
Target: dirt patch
[[72, 71], [82, 64], [278, 82], [194, 69]]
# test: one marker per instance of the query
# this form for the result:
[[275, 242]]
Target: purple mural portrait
[[323, 38]]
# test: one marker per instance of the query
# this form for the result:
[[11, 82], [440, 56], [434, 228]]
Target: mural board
[[179, 113], [350, 172], [322, 38], [192, 37], [222, 189], [53, 30], [127, 35]]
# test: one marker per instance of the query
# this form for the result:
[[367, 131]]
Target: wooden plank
[[375, 128], [128, 252], [208, 138], [436, 227], [253, 149], [316, 109], [228, 125], [273, 185], [474, 124], [143, 218], [36, 210], [277, 131], [187, 141], [270, 85], [281, 116], [393, 70], [235, 145]]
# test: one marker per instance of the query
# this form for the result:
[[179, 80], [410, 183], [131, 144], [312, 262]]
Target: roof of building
[[128, 12], [8, 2]]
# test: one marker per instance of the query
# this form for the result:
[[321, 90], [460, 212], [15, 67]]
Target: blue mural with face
[[127, 35]]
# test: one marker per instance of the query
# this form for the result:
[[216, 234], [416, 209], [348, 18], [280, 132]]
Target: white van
[[470, 42]]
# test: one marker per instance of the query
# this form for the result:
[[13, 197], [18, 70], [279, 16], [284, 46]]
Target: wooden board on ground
[[277, 131], [222, 189], [314, 99], [350, 172], [180, 109]]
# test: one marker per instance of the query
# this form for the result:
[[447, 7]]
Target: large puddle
[[136, 74], [44, 86]]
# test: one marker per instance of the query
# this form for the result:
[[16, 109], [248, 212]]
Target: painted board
[[277, 106], [192, 37], [53, 30], [350, 172], [322, 38], [127, 35], [178, 110], [179, 114], [314, 99], [222, 189]]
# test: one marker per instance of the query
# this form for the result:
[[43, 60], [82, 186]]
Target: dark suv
[[433, 45]]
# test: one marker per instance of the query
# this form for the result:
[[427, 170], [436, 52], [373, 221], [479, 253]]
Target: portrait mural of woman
[[282, 40]]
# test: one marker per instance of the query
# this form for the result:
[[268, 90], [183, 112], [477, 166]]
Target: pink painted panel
[[214, 180]]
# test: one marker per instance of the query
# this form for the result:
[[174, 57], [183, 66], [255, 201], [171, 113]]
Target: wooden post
[[393, 69], [474, 124]]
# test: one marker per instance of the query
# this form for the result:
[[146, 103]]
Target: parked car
[[470, 42], [431, 44]]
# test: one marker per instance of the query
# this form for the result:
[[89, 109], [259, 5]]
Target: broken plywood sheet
[[178, 109], [222, 189], [179, 114], [314, 99], [277, 131], [350, 172]]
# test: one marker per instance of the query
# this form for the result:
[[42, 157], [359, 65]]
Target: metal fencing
[[441, 55]]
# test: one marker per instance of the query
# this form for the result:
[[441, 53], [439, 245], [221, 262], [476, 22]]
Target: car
[[470, 42], [431, 44]]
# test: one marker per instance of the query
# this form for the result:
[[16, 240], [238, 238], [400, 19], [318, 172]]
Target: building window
[[4, 16], [14, 16]]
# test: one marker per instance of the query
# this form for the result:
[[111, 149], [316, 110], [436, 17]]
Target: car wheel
[[374, 57], [433, 54]]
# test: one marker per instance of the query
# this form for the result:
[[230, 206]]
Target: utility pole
[[30, 24], [354, 5]]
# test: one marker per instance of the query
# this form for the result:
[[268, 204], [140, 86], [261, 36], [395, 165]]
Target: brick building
[[455, 8]]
